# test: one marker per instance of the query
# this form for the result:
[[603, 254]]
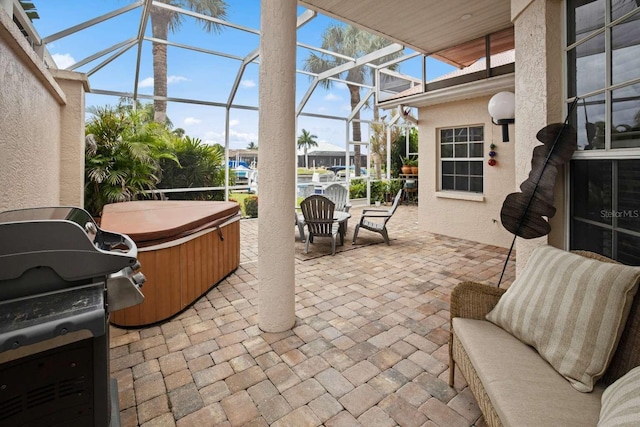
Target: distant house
[[250, 157], [327, 154]]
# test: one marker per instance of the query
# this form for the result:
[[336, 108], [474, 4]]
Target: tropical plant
[[165, 20], [350, 42], [378, 189], [379, 142], [393, 187], [146, 111], [399, 150], [252, 146], [409, 161], [122, 156], [357, 188], [198, 165], [306, 140]]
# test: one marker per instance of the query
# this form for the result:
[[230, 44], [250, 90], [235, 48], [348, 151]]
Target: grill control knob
[[139, 279]]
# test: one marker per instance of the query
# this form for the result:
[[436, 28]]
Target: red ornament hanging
[[492, 162]]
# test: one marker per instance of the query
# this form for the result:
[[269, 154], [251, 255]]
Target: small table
[[410, 186], [338, 216], [341, 218]]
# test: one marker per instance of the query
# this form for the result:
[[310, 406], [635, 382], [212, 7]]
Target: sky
[[197, 75]]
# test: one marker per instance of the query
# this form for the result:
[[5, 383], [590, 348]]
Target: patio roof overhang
[[452, 31]]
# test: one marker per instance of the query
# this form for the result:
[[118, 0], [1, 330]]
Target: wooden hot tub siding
[[178, 275]]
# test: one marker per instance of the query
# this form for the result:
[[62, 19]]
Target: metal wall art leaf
[[523, 213]]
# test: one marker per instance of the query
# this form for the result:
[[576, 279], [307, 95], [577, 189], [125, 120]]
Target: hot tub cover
[[149, 222]]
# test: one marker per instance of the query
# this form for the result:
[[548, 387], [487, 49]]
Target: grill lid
[[63, 239]]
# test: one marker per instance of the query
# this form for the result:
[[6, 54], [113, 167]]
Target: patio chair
[[376, 219], [318, 212], [338, 194]]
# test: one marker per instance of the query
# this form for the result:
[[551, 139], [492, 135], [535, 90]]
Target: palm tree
[[306, 140], [354, 43], [165, 20], [252, 146], [122, 156], [179, 132]]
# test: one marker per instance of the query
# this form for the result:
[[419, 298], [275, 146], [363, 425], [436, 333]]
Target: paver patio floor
[[369, 346]]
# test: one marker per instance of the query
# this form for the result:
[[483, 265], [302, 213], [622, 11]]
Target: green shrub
[[198, 165], [251, 206], [399, 150], [122, 156], [378, 188], [393, 187], [357, 189]]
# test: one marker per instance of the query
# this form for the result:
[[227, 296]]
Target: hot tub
[[185, 248]]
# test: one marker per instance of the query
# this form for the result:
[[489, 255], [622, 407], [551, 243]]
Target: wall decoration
[[492, 154], [525, 213]]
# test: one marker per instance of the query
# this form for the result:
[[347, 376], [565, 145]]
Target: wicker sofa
[[511, 381]]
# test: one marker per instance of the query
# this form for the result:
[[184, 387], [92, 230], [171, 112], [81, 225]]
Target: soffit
[[432, 27]]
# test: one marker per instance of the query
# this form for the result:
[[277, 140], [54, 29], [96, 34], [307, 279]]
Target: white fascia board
[[484, 87]]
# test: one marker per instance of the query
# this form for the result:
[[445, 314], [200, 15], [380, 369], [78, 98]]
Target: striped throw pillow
[[621, 402], [571, 309]]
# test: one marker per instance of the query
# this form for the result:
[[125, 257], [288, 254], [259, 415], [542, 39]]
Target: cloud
[[234, 122], [63, 60], [236, 139], [241, 139], [332, 97], [247, 83], [176, 79], [148, 82], [192, 121]]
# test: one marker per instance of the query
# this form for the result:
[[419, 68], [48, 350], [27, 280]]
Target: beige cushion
[[621, 402], [523, 388], [571, 309]]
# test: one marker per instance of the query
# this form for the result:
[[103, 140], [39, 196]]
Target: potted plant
[[414, 166], [406, 165]]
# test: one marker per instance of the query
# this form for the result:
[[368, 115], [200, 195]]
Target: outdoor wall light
[[502, 109]]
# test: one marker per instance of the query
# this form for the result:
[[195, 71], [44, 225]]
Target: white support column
[[539, 101], [276, 240], [388, 151]]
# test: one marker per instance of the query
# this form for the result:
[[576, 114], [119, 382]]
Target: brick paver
[[369, 346]]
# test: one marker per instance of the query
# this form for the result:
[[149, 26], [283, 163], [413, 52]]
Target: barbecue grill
[[60, 276]]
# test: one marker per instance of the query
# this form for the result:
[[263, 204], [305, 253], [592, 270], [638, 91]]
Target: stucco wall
[[41, 134], [539, 99], [74, 86], [477, 220]]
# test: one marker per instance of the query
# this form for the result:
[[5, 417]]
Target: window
[[606, 208], [462, 159], [603, 70], [603, 65]]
